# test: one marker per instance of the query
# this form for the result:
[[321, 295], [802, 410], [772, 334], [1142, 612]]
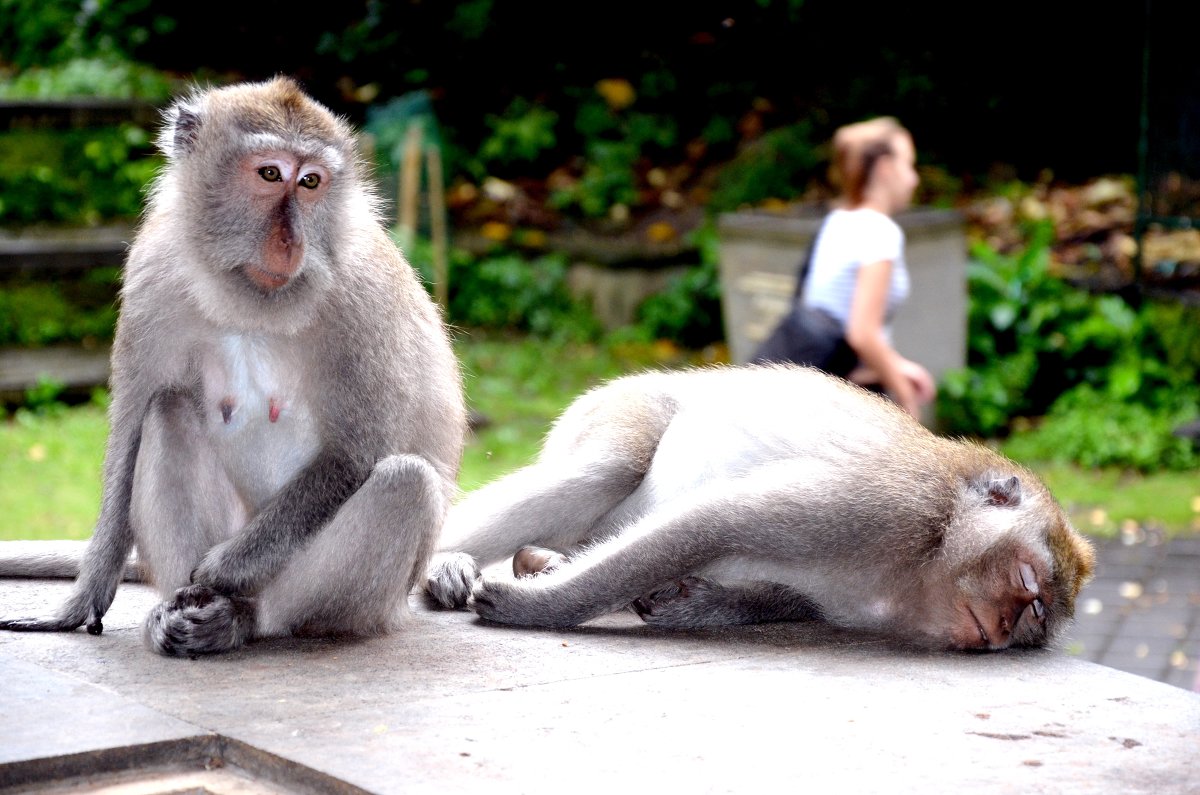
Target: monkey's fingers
[[449, 579]]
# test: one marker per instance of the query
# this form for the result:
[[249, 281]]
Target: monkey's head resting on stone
[[746, 494], [287, 417]]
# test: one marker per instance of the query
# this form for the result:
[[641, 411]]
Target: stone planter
[[760, 253]]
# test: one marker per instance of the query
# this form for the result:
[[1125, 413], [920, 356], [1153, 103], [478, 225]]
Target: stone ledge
[[451, 704]]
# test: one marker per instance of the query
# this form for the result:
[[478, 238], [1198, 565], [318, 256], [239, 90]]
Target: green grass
[[1102, 502], [50, 473], [50, 464]]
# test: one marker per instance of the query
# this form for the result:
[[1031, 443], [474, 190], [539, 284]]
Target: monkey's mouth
[[265, 280]]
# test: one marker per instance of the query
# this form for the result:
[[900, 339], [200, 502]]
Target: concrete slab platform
[[450, 704]]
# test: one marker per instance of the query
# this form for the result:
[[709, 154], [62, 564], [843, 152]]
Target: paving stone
[[450, 704]]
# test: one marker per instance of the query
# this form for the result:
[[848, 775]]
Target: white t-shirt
[[848, 240]]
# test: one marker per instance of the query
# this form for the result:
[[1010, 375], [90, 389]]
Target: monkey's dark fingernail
[[95, 628]]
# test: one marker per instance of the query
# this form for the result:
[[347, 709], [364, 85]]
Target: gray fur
[[317, 511], [53, 559], [771, 493], [693, 602]]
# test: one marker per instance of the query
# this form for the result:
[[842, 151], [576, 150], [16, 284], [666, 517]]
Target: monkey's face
[[1016, 571], [283, 191], [262, 184], [1005, 599], [1021, 592], [263, 241]]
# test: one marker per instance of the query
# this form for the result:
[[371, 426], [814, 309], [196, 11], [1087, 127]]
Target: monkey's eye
[[1039, 609], [310, 181], [270, 173]]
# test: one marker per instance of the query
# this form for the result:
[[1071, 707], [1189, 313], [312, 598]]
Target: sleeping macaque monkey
[[743, 495], [286, 416]]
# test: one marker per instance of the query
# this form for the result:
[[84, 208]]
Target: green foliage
[[521, 134], [688, 311], [506, 291], [614, 143], [780, 165], [77, 177], [1113, 382], [1090, 427], [43, 314], [50, 472], [608, 178], [43, 397], [1030, 336], [88, 77], [41, 32]]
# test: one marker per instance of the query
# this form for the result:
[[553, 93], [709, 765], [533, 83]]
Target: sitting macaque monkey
[[743, 495], [287, 415]]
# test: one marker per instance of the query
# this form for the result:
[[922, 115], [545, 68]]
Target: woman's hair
[[856, 149]]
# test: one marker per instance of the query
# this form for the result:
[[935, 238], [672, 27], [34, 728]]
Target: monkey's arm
[[244, 563], [692, 602]]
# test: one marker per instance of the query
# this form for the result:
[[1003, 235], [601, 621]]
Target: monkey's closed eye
[[270, 173], [310, 181]]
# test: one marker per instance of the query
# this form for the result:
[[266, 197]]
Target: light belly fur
[[262, 432]]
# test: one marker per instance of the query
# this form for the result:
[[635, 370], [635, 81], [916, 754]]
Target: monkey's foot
[[532, 561], [199, 621], [685, 603], [693, 602], [450, 577]]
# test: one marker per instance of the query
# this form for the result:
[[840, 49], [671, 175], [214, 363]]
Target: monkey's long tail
[[52, 560]]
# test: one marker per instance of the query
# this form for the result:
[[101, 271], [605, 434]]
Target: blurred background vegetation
[[638, 122]]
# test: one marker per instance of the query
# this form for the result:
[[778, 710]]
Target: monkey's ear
[[181, 131], [1005, 493]]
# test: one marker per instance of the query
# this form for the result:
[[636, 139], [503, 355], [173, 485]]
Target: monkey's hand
[[450, 577], [225, 570], [533, 602], [505, 602]]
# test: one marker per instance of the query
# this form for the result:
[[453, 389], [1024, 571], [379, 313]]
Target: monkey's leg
[[604, 579], [555, 504], [693, 602], [183, 502], [350, 579], [355, 575], [670, 543]]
